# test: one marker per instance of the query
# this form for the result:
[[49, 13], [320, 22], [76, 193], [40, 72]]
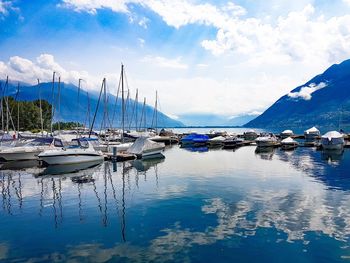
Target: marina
[[296, 202]]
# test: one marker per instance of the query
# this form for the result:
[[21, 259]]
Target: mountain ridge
[[323, 101], [69, 110]]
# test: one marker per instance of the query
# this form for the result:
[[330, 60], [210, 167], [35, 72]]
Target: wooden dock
[[120, 157]]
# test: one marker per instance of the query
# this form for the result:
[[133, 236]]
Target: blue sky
[[217, 57]]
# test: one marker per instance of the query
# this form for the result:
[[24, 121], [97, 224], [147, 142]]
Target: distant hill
[[324, 101], [69, 110], [200, 119]]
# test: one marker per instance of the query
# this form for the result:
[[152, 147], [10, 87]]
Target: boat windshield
[[79, 143]]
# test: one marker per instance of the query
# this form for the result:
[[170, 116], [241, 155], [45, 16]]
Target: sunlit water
[[205, 206]]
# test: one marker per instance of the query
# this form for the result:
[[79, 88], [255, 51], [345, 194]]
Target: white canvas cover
[[218, 139], [312, 130], [287, 132], [332, 135], [288, 140], [143, 144]]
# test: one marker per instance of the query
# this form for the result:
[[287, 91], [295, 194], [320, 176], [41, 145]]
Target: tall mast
[[41, 110], [59, 102], [78, 107], [123, 103], [2, 108], [136, 107], [7, 106], [156, 109], [52, 100], [17, 110]]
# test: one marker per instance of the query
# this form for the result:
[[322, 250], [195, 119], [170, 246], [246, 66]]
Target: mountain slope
[[69, 110], [324, 101]]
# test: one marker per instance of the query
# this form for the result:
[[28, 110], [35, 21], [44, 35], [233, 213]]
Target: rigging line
[[116, 99], [98, 103]]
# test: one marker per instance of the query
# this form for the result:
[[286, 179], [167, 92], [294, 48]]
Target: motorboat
[[80, 151], [217, 141], [30, 150], [195, 139], [289, 144], [286, 133], [268, 140], [167, 140], [144, 147], [250, 135], [332, 140], [312, 134], [233, 142]]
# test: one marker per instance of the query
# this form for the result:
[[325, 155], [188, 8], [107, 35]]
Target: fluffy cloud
[[301, 35], [165, 62], [306, 92], [22, 69]]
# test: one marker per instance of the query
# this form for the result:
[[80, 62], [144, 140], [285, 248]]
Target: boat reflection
[[195, 149], [19, 165], [332, 156], [265, 153], [145, 164], [68, 168]]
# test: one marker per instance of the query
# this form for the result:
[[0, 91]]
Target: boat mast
[[40, 110], [59, 102], [17, 110], [78, 107], [7, 106], [52, 100], [136, 107], [156, 109], [123, 104], [2, 107]]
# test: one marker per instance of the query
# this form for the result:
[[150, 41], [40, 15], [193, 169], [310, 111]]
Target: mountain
[[69, 110], [324, 101], [201, 119]]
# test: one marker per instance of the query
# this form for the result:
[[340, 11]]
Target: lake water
[[193, 206]]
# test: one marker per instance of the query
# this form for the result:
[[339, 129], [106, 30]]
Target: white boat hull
[[153, 152], [71, 159], [266, 143], [17, 156]]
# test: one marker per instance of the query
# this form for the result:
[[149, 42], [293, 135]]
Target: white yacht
[[312, 134], [30, 150], [268, 140], [144, 147], [286, 133], [79, 151], [217, 141], [289, 144], [332, 140]]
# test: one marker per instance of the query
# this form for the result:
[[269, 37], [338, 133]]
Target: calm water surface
[[192, 206]]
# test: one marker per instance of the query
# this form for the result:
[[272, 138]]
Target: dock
[[119, 157]]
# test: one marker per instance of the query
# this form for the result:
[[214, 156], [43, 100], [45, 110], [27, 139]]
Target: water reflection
[[265, 153], [132, 215]]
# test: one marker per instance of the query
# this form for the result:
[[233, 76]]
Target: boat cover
[[332, 135], [143, 144]]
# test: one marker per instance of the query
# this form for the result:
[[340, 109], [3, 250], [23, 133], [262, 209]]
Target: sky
[[203, 57]]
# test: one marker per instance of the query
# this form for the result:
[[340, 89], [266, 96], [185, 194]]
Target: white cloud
[[5, 7], [300, 35], [165, 62], [306, 92], [22, 69]]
